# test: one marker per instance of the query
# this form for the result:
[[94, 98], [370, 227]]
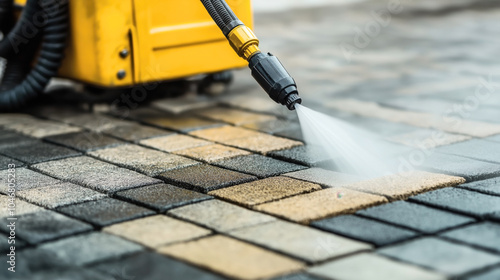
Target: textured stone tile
[[461, 201], [73, 274], [41, 128], [34, 152], [403, 185], [205, 177], [489, 186], [220, 216], [368, 266], [144, 160], [292, 133], [441, 255], [135, 132], [5, 161], [10, 138], [182, 123], [95, 174], [94, 122], [224, 133], [258, 165], [272, 126], [415, 216], [185, 103], [212, 153], [104, 212], [494, 216], [428, 138], [305, 243], [266, 190], [468, 168], [162, 197], [485, 235], [263, 143], [371, 231], [320, 204], [22, 207], [25, 179], [232, 258], [324, 177], [4, 243], [234, 116], [477, 149], [84, 141], [486, 275], [305, 155], [174, 143], [60, 194], [297, 276]]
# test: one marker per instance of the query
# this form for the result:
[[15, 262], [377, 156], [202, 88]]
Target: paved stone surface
[[40, 128], [174, 143], [233, 116], [490, 274], [273, 126], [5, 161], [366, 230], [219, 215], [324, 177], [476, 149], [415, 216], [224, 133], [212, 153], [259, 165], [104, 212], [302, 155], [134, 132], [428, 138], [94, 174], [144, 160], [84, 141], [10, 138], [34, 152], [22, 207], [468, 168], [263, 143], [25, 179], [443, 256], [156, 231], [299, 241], [320, 204], [232, 258], [205, 178], [485, 235], [266, 190], [94, 122], [297, 276], [181, 123], [489, 186], [161, 197]]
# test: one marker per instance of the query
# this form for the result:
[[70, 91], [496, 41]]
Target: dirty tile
[[477, 149], [263, 143], [135, 132], [266, 190], [174, 143], [205, 178], [233, 116], [84, 141], [232, 258], [468, 168], [6, 163], [428, 138], [35, 152], [144, 160], [272, 126], [10, 138], [224, 133], [25, 179], [94, 122], [104, 212], [220, 216], [320, 204], [485, 235], [366, 230], [440, 255], [297, 276], [292, 133], [185, 103], [486, 275], [259, 165], [22, 207], [41, 128], [182, 123], [71, 273], [161, 197], [306, 155], [305, 243], [212, 153], [489, 186], [324, 177], [94, 174], [156, 231], [369, 266]]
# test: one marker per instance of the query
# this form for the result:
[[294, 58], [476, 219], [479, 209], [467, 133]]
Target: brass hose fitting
[[243, 41]]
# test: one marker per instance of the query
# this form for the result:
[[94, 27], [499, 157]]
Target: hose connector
[[243, 41]]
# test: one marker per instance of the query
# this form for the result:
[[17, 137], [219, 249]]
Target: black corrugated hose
[[223, 16]]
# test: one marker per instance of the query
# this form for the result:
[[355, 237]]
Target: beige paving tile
[[234, 116], [265, 190], [95, 122], [320, 204], [224, 133], [157, 230], [38, 128], [300, 241], [21, 207], [212, 153], [177, 122], [428, 138], [324, 177], [263, 143], [174, 143], [403, 185], [232, 258], [220, 216]]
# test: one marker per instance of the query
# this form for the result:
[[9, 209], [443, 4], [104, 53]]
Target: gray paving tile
[[205, 177], [258, 165], [324, 177], [135, 132], [494, 216], [489, 186], [293, 133], [305, 155], [162, 197], [297, 276], [34, 152], [182, 122], [94, 174], [486, 275], [476, 149], [272, 126], [5, 245], [485, 235], [25, 179], [84, 141], [22, 207], [468, 168], [443, 256], [415, 216], [104, 212], [73, 274], [94, 122], [6, 161], [461, 201], [363, 229], [11, 139]]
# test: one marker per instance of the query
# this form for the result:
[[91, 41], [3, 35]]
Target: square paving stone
[[292, 133], [263, 143], [157, 230], [443, 256], [21, 207], [35, 152], [272, 126], [485, 235], [219, 215], [135, 132], [176, 142], [104, 212], [11, 139], [477, 149], [306, 155], [489, 186], [162, 197], [363, 229], [73, 274], [468, 168], [95, 174], [212, 153], [144, 160], [487, 275], [182, 123], [25, 179], [84, 141], [5, 246], [320, 204], [368, 266], [415, 216], [297, 276], [42, 128], [305, 243], [324, 177], [232, 258], [428, 138], [6, 162], [266, 190], [59, 195], [259, 165], [94, 122], [224, 133], [205, 178], [461, 201], [233, 116]]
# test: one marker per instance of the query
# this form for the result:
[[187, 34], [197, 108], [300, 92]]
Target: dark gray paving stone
[[380, 127], [468, 168], [485, 235], [489, 186], [491, 274], [162, 197], [305, 155], [104, 212], [148, 265], [495, 216], [441, 255], [73, 274], [475, 148], [297, 276], [259, 165], [84, 141], [205, 178], [295, 134], [461, 201], [5, 245], [415, 216], [363, 229], [136, 132], [25, 179], [34, 152], [10, 138], [6, 161], [95, 174]]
